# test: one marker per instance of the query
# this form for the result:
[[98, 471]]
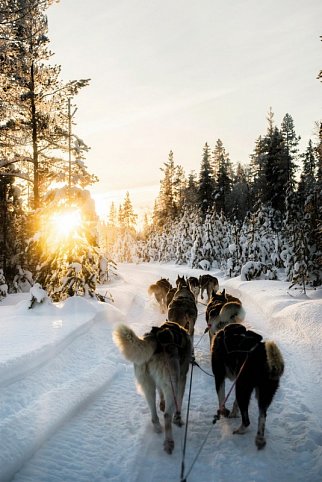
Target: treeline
[[266, 212]]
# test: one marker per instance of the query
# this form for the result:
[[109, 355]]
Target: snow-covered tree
[[206, 183]]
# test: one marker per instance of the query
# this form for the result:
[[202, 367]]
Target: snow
[[70, 411]]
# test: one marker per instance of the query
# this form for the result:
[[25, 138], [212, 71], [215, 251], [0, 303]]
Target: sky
[[70, 410], [173, 75]]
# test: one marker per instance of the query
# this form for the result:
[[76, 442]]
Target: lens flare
[[66, 222]]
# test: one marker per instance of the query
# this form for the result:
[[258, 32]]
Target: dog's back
[[183, 309]]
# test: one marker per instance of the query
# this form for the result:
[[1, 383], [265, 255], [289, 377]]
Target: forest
[[255, 218]]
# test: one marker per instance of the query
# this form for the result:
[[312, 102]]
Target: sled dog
[[209, 284], [223, 309], [183, 309], [161, 362], [194, 286], [160, 290], [259, 364]]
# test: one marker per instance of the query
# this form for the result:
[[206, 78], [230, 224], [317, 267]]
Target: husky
[[209, 284], [183, 308], [160, 290], [223, 309], [242, 354], [194, 286], [161, 362]]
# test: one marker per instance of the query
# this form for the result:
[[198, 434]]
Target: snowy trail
[[87, 422]]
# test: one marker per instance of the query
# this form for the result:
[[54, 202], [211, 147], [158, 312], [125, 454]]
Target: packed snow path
[[69, 409]]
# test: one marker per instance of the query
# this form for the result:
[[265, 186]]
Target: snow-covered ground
[[69, 409]]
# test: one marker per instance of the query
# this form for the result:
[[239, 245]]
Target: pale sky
[[174, 74]]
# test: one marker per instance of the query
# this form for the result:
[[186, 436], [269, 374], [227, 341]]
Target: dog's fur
[[223, 309], [262, 370], [209, 284], [170, 296], [183, 308], [160, 290], [223, 297], [161, 362], [194, 286]]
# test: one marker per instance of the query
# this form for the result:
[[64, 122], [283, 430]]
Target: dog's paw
[[157, 427], [177, 420], [260, 442], [168, 446], [240, 430], [234, 413], [224, 412]]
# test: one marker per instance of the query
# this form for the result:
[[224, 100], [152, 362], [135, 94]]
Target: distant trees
[[261, 212]]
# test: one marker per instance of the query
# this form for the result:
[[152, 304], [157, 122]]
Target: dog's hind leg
[[260, 437], [181, 388], [264, 393], [148, 387], [168, 414], [243, 393], [235, 410], [162, 401]]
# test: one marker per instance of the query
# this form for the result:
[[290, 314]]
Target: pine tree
[[128, 215], [206, 182], [291, 141], [112, 215], [223, 178], [191, 190], [239, 198], [307, 182], [64, 251]]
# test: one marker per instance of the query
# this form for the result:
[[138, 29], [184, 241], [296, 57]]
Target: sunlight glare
[[65, 223]]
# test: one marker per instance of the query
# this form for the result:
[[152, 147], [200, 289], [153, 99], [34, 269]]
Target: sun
[[65, 223]]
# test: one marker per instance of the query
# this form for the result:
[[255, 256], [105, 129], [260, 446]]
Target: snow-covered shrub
[[37, 295], [204, 264], [3, 285], [22, 281], [252, 270]]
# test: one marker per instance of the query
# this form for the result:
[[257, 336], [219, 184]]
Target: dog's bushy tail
[[152, 289], [135, 349], [275, 359]]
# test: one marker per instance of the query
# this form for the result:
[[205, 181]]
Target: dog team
[[162, 357]]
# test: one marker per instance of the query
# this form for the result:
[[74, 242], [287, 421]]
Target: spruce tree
[[206, 182], [223, 178], [291, 141]]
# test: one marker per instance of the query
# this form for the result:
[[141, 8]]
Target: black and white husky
[[161, 361], [240, 354]]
